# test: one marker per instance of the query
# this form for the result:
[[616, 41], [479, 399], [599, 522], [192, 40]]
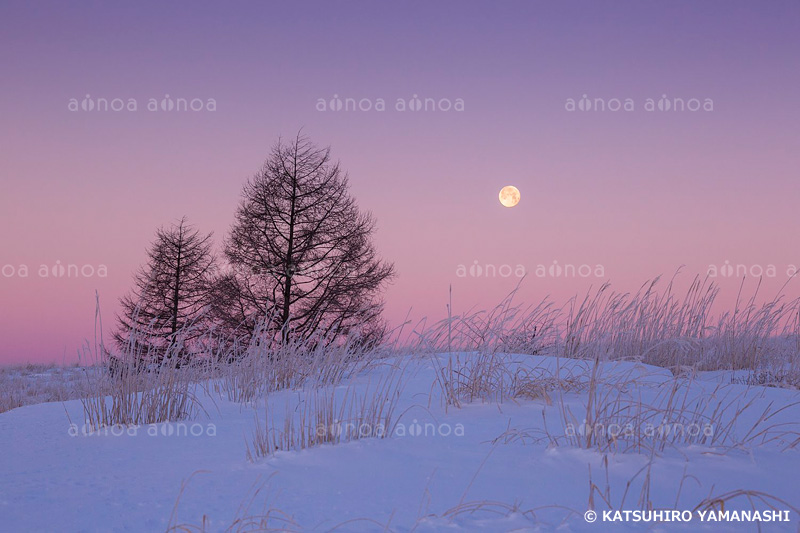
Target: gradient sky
[[639, 192]]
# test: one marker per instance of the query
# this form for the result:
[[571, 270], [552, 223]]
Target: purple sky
[[639, 192]]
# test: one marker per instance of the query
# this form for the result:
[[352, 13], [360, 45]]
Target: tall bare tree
[[301, 251], [171, 291]]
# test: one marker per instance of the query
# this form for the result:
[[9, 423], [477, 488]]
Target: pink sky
[[638, 192]]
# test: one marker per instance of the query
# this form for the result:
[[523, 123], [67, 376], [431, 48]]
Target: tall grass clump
[[139, 385], [654, 325], [664, 329], [624, 413], [507, 328], [651, 326], [500, 377], [269, 362], [329, 415]]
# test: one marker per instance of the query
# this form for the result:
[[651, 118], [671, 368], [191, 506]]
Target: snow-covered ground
[[483, 466]]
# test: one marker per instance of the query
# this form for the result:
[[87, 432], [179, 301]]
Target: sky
[[697, 166]]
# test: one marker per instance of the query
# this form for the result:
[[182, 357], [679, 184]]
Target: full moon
[[509, 196]]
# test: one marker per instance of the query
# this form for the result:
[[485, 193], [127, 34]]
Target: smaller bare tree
[[170, 294]]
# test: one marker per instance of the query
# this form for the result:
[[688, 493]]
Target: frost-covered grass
[[486, 464], [31, 384], [515, 418], [655, 325], [329, 415]]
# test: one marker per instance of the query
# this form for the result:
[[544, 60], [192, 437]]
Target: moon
[[509, 196]]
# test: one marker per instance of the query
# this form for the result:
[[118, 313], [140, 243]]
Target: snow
[[54, 480]]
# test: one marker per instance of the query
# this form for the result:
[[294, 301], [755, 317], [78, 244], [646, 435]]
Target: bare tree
[[171, 292], [301, 251]]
